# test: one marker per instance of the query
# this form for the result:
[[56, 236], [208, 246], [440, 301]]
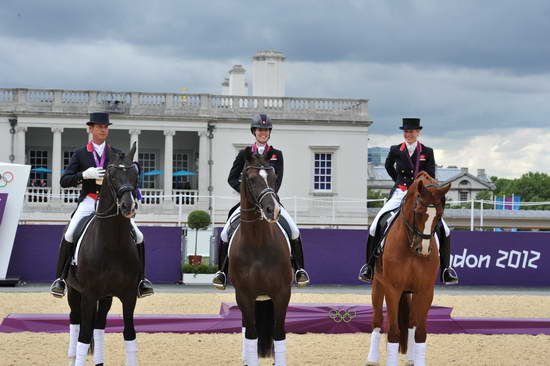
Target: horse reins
[[116, 194], [413, 231], [263, 194]]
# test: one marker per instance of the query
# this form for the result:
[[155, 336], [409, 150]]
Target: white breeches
[[293, 228], [85, 208], [393, 203]]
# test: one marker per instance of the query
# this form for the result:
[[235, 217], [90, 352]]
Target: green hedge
[[200, 269]]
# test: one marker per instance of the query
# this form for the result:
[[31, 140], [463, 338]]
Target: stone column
[[134, 137], [202, 169], [20, 144], [56, 160], [168, 162]]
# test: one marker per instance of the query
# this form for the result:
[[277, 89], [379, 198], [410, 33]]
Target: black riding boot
[[145, 287], [300, 275], [366, 273], [58, 286], [220, 279], [448, 275]]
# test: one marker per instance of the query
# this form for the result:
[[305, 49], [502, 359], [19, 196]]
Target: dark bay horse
[[409, 265], [259, 264], [107, 265]]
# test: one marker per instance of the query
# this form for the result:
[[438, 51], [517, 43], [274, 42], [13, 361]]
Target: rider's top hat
[[411, 124], [99, 118]]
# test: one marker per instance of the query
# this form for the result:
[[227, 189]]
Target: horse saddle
[[384, 224], [81, 226], [235, 222]]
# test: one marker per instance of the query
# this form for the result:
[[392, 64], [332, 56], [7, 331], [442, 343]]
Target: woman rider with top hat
[[403, 164], [87, 167], [261, 129]]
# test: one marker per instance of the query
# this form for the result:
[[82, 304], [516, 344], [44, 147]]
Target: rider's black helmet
[[260, 121]]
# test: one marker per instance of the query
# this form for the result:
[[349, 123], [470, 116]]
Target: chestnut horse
[[408, 265], [259, 264]]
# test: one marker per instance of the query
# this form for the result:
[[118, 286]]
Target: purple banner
[[501, 258], [331, 256], [35, 252], [3, 201]]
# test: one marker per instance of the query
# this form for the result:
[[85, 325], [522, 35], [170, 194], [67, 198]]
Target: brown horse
[[408, 266], [259, 264]]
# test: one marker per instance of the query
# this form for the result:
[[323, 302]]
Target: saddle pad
[[75, 257], [280, 228]]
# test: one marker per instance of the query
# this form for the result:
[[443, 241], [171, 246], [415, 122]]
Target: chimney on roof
[[225, 87], [481, 174], [268, 77], [464, 170], [237, 82]]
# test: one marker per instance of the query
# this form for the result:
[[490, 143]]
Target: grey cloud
[[502, 34]]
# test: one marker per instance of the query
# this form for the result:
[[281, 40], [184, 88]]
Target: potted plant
[[197, 220]]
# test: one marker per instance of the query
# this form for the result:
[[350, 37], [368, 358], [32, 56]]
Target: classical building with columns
[[186, 146]]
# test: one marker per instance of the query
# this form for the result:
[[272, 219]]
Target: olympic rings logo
[[6, 178], [339, 316]]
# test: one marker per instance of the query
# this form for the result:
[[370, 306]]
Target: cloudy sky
[[476, 72]]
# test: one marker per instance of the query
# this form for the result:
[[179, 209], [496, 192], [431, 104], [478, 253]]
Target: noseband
[[268, 191], [117, 195], [413, 233]]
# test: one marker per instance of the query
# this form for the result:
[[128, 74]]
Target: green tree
[[198, 220], [375, 195], [531, 187]]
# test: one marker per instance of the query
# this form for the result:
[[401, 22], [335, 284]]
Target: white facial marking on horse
[[263, 174], [428, 230]]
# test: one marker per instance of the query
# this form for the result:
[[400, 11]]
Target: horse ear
[[130, 156], [248, 153], [113, 157], [420, 186], [445, 189]]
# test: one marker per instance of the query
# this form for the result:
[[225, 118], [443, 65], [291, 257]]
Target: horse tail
[[265, 321], [403, 320]]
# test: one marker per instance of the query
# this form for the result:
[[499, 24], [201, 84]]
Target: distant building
[[377, 155], [464, 186]]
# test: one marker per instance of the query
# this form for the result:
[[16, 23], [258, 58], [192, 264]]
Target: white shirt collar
[[411, 147], [261, 148], [99, 148]]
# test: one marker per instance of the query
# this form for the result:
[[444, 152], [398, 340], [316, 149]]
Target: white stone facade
[[206, 129]]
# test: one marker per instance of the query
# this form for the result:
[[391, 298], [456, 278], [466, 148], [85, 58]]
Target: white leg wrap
[[74, 330], [280, 353], [81, 354], [411, 345], [131, 352], [420, 354], [251, 352], [393, 354], [374, 350], [243, 350], [99, 346]]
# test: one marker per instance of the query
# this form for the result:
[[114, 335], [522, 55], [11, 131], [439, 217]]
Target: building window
[[322, 174], [38, 159], [148, 162], [181, 162], [67, 155], [464, 196]]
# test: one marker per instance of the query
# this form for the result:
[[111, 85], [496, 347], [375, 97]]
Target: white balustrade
[[140, 103]]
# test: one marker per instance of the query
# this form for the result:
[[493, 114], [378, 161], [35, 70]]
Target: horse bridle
[[413, 232], [116, 194], [263, 194]]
